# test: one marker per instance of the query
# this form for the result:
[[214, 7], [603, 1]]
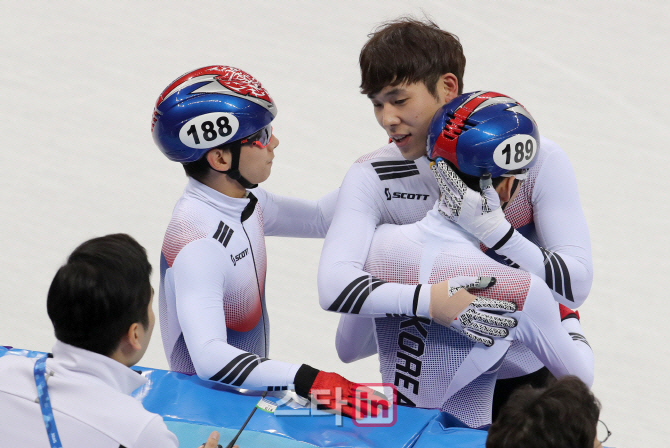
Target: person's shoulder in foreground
[[100, 305]]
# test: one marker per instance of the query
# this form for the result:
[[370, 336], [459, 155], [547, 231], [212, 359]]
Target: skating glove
[[333, 391], [478, 318], [479, 214]]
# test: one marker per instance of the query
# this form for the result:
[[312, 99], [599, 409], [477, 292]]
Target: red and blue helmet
[[208, 107], [484, 133]]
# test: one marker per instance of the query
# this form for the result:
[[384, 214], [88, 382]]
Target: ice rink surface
[[78, 84]]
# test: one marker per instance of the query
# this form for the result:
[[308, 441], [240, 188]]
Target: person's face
[[405, 112], [256, 162]]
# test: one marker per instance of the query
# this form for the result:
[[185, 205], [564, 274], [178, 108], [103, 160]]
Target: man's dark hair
[[198, 170], [100, 292], [564, 414], [407, 50]]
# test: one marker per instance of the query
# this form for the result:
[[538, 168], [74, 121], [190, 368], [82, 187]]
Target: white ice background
[[79, 80]]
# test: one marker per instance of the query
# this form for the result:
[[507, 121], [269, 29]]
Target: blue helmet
[[206, 108], [484, 133]]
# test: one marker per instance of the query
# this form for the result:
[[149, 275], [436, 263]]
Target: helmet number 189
[[518, 152], [515, 152]]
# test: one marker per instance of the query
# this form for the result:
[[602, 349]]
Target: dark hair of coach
[[100, 292]]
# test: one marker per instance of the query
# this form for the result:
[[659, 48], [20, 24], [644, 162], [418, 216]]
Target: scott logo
[[239, 256], [398, 195]]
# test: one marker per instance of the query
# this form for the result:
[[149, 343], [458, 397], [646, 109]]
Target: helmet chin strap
[[515, 185], [234, 171]]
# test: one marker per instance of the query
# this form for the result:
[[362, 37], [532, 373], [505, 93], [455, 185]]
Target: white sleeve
[[540, 330], [574, 329], [156, 434], [344, 286], [294, 217], [355, 338], [564, 260], [200, 285]]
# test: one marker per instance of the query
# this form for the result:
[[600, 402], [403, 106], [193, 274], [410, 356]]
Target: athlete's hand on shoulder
[[477, 318], [480, 214], [332, 391]]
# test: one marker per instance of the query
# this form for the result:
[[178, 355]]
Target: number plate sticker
[[267, 405], [209, 130], [515, 152]]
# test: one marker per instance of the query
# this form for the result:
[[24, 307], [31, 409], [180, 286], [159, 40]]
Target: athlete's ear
[[447, 87], [504, 189], [219, 159]]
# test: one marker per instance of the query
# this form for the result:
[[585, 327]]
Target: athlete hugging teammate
[[409, 70], [432, 366]]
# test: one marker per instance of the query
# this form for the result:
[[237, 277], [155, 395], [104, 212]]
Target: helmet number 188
[[214, 128], [208, 132]]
